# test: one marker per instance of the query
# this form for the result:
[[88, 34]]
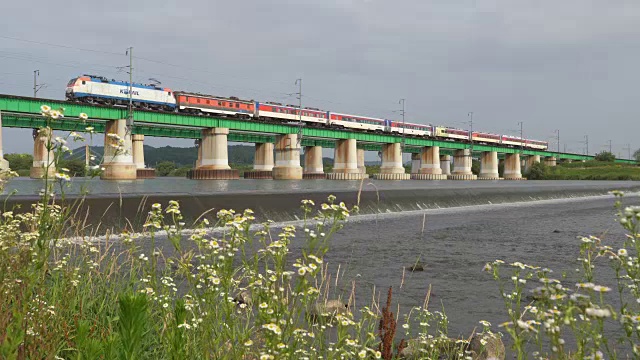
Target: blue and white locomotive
[[100, 90]]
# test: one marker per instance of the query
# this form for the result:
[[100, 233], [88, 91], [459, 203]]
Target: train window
[[237, 105], [198, 100], [169, 93], [84, 82], [208, 102]]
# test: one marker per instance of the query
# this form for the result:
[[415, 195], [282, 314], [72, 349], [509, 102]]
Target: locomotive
[[94, 89]]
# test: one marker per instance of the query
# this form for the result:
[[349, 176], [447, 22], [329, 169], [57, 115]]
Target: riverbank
[[590, 170]]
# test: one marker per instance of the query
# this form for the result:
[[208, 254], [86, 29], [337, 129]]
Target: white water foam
[[161, 234]]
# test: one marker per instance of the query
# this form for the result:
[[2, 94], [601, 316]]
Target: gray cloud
[[568, 65]]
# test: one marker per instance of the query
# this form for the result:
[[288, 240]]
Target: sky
[[566, 65]]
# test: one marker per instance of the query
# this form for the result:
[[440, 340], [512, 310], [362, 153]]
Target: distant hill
[[186, 156], [238, 154]]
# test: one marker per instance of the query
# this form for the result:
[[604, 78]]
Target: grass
[[612, 172], [590, 170]]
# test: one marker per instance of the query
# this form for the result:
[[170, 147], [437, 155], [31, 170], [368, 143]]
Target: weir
[[284, 205]]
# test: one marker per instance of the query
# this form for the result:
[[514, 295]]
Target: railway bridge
[[277, 146]]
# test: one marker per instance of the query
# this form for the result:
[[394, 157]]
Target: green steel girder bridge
[[24, 112]]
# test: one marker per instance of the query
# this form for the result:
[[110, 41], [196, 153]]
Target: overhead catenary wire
[[59, 45], [156, 62], [92, 67]]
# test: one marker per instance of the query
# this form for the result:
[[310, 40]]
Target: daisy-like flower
[[83, 116], [61, 176], [598, 313], [45, 109], [55, 114], [601, 289]]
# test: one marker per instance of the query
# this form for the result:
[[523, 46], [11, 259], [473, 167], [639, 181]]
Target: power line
[[195, 69], [76, 65], [60, 46]]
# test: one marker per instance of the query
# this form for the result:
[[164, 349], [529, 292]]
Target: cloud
[[569, 65]]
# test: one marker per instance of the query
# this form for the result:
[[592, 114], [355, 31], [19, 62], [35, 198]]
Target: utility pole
[[402, 101], [586, 141], [610, 147], [470, 115], [521, 123], [36, 87], [130, 113], [300, 123], [628, 148], [558, 138]]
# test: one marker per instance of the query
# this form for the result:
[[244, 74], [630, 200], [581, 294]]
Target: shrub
[[180, 172], [605, 156], [19, 161], [165, 168], [537, 171]]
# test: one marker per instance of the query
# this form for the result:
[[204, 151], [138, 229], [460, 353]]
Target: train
[[95, 89]]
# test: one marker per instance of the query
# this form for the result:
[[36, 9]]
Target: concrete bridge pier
[[287, 165], [313, 166], [42, 157], [512, 167], [415, 164], [199, 159], [550, 161], [138, 158], [4, 164], [345, 161], [430, 167], [214, 160], [531, 159], [489, 166], [462, 166], [445, 164], [361, 166], [392, 168], [118, 159], [262, 162]]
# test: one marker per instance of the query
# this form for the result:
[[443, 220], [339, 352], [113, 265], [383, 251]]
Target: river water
[[170, 185], [458, 242]]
